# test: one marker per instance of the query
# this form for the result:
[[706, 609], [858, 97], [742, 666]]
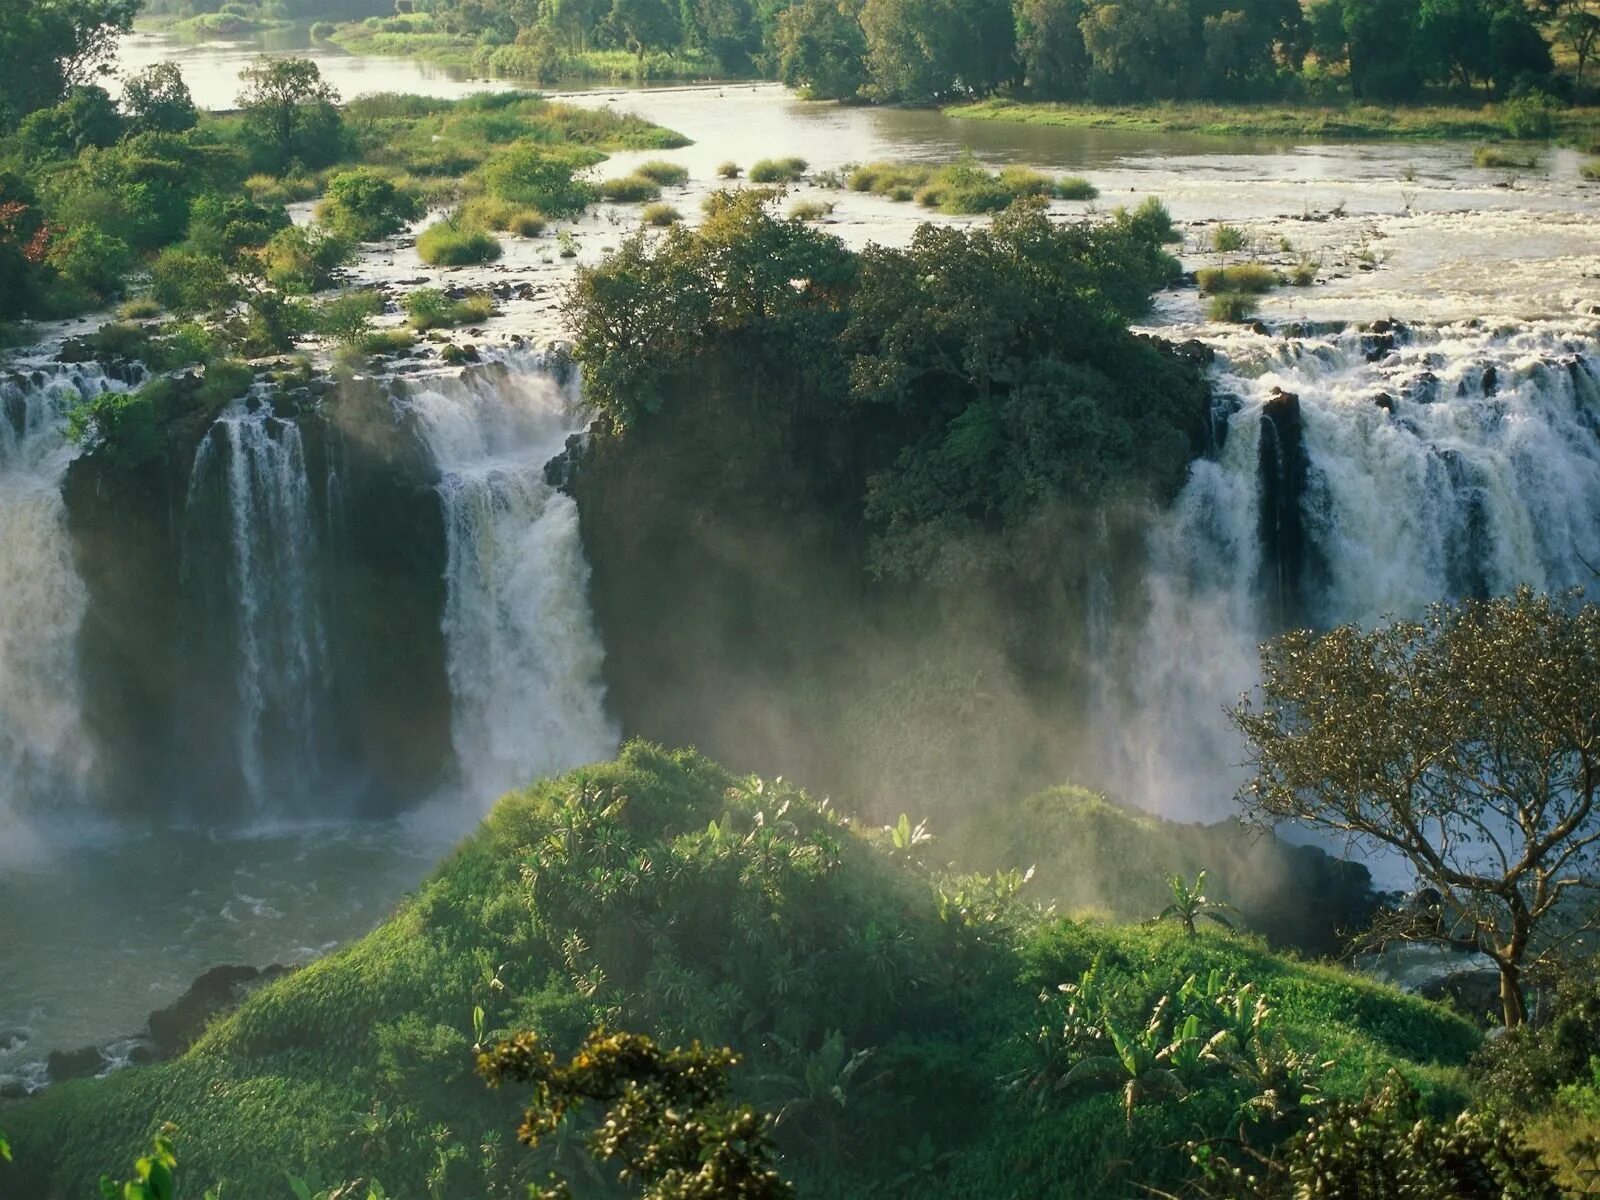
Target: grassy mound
[[876, 1002]]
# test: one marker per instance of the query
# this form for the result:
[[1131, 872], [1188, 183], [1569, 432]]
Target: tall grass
[[444, 244]]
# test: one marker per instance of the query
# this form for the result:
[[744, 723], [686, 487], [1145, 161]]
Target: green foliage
[[157, 100], [290, 113], [1233, 307], [301, 260], [86, 117], [956, 446], [129, 430], [1495, 158], [668, 1118], [728, 170], [430, 308], [193, 282], [1189, 904], [366, 206], [445, 244], [667, 174], [1227, 239], [1531, 116], [1249, 278], [630, 189], [346, 317], [154, 1175], [809, 210], [540, 177], [778, 170], [1477, 716], [88, 258], [48, 48], [225, 226], [660, 215]]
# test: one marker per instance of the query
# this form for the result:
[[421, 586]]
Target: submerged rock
[[178, 1026]]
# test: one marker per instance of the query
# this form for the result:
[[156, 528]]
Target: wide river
[[99, 924]]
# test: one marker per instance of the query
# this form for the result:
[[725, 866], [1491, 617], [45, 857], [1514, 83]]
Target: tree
[[1578, 28], [158, 99], [1050, 47], [86, 117], [1468, 742], [290, 112], [49, 47], [821, 48], [367, 206], [1380, 36], [667, 1119]]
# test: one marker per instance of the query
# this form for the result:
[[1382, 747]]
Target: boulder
[[178, 1026], [83, 1063]]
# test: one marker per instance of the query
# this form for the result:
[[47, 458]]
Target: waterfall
[[1362, 475], [44, 753], [523, 654], [248, 489]]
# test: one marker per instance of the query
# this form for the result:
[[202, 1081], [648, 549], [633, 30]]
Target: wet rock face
[[178, 1026], [158, 648], [1283, 471], [83, 1063]]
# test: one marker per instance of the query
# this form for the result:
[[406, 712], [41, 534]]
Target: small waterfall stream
[[1362, 475], [255, 464], [523, 654], [45, 755]]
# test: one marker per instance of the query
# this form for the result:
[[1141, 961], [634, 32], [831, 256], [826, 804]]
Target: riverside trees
[[1467, 741]]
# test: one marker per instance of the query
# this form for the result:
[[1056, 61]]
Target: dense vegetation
[[920, 50], [951, 392], [888, 1011]]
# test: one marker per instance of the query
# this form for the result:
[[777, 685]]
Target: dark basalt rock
[[1475, 993], [178, 1026], [83, 1063], [1384, 401]]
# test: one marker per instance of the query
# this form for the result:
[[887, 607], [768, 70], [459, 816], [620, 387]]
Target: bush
[[140, 308], [883, 178], [667, 174], [446, 245], [630, 189], [89, 258], [321, 31], [1150, 221], [660, 214], [809, 210], [1591, 170], [1233, 307], [367, 206], [530, 176], [192, 282], [301, 260], [430, 308], [290, 189], [225, 225], [728, 170], [1251, 278], [1531, 116], [778, 170], [345, 318], [1304, 273], [1074, 187], [1497, 158], [526, 223], [1226, 239], [1023, 181]]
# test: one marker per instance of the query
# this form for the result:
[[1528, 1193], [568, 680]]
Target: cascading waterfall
[[1363, 474], [254, 464], [523, 654], [44, 754]]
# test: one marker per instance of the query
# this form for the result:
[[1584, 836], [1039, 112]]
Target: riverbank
[[414, 37], [1365, 122]]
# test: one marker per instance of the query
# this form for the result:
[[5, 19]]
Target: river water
[[100, 923]]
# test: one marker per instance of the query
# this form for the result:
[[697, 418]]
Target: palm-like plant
[[1189, 904], [1143, 1062]]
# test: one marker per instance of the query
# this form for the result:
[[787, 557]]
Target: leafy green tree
[[539, 177], [645, 25], [365, 205], [1140, 49], [86, 117], [192, 282], [291, 112], [1381, 43], [158, 99], [922, 50], [1050, 47], [224, 225], [667, 1118], [1468, 742], [822, 50], [49, 47]]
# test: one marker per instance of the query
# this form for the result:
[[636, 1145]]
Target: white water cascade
[[44, 753], [523, 654], [255, 463], [1437, 463]]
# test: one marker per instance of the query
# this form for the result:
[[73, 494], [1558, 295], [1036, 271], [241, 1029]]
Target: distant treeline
[[1100, 50]]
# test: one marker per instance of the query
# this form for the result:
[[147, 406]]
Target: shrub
[[1304, 273], [192, 282], [1531, 116], [489, 212], [291, 189], [301, 260], [809, 210], [526, 223], [1023, 181], [226, 225], [446, 245], [367, 206], [1150, 221], [1591, 170], [430, 308], [1252, 278], [728, 170], [778, 170], [140, 308], [667, 174], [90, 258], [1495, 157], [629, 189], [1234, 307], [321, 31], [345, 317], [886, 177], [660, 214], [1226, 239], [540, 178], [1074, 187]]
